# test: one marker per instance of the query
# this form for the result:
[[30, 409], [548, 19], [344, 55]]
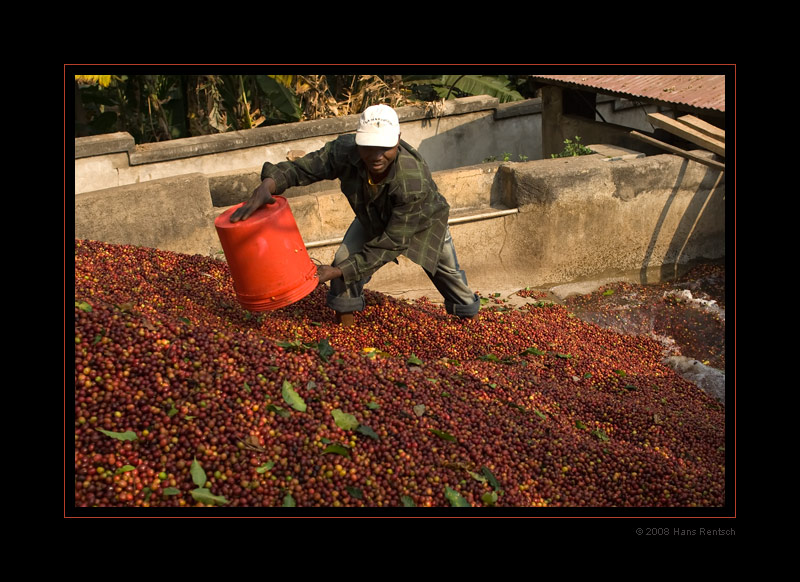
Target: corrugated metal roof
[[696, 91]]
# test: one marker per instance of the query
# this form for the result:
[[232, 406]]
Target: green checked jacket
[[403, 215]]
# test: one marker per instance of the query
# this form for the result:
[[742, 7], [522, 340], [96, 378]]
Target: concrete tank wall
[[616, 213], [559, 220], [464, 132]]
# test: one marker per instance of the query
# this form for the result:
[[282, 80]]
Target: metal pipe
[[484, 216], [459, 220]]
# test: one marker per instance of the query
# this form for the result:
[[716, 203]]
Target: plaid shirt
[[404, 214]]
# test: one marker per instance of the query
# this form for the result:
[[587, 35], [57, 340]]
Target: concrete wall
[[636, 218], [590, 217], [616, 213], [171, 213], [570, 219], [465, 132]]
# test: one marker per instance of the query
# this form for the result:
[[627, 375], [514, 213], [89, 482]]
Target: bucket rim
[[278, 300], [264, 212]]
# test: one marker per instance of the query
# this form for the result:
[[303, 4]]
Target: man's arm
[[275, 178], [326, 273]]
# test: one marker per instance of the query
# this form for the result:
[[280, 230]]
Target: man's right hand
[[261, 196]]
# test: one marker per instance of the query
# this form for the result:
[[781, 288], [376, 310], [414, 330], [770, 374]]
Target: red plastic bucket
[[267, 257]]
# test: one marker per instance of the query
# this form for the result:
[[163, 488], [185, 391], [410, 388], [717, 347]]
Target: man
[[398, 209]]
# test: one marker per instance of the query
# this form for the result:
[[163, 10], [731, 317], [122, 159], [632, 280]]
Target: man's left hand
[[327, 272]]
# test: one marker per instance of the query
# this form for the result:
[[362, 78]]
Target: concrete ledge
[[583, 218], [217, 143], [455, 107], [544, 181], [457, 133], [577, 219], [229, 188], [211, 144], [171, 214], [100, 145], [612, 153], [517, 108]]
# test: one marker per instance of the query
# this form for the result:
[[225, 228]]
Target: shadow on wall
[[454, 140], [446, 146], [693, 220]]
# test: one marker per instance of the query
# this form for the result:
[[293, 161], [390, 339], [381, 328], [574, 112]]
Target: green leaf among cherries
[[121, 436], [455, 498], [367, 431], [292, 398], [337, 450], [343, 420], [198, 474], [491, 478], [201, 493], [443, 435], [204, 496], [414, 360]]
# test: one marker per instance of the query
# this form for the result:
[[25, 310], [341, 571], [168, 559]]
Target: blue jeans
[[448, 279]]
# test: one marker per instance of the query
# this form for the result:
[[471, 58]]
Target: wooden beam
[[687, 133], [703, 127], [677, 151]]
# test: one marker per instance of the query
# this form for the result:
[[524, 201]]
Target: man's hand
[[326, 273], [261, 196]]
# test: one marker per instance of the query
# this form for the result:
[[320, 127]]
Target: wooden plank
[[677, 151], [687, 133], [703, 127]]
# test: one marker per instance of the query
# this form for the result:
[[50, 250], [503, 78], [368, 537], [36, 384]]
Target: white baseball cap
[[378, 126]]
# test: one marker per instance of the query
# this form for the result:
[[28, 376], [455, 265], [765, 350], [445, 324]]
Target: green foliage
[[573, 148], [431, 87], [162, 107], [281, 97], [149, 107], [506, 157]]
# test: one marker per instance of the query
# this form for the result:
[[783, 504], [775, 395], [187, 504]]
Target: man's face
[[378, 159]]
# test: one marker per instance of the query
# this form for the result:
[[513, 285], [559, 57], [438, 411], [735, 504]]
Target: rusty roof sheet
[[695, 91]]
